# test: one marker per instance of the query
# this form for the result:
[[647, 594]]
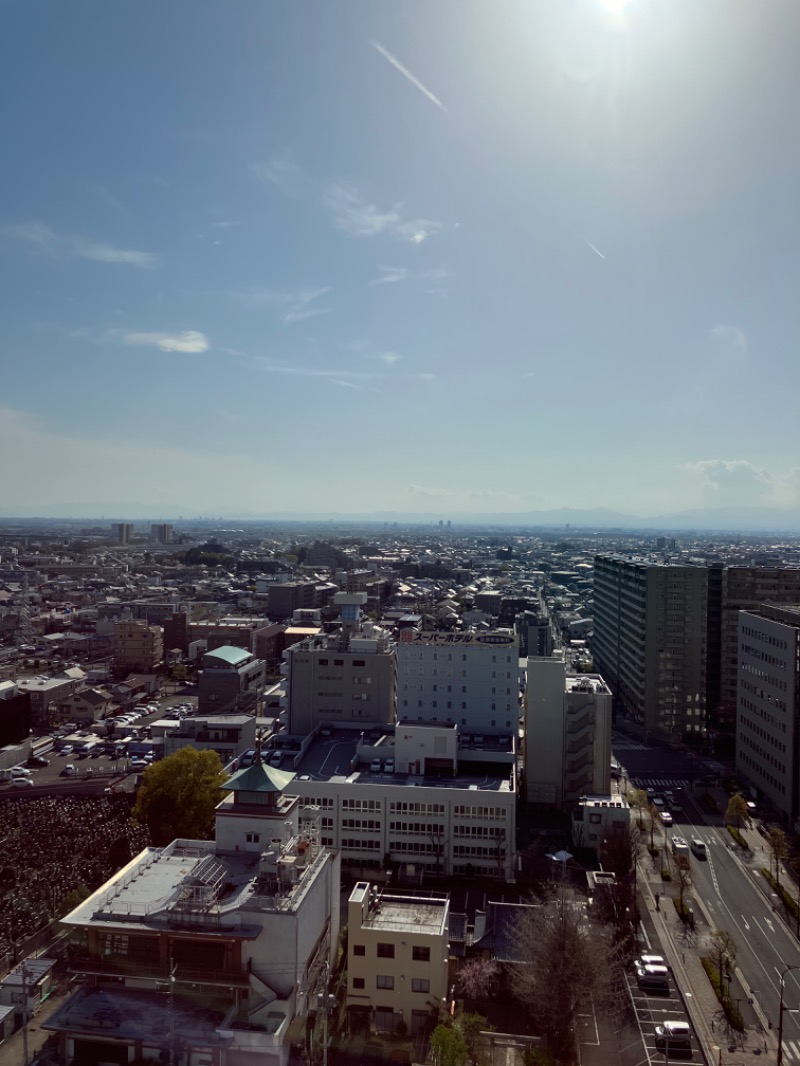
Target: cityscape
[[400, 533]]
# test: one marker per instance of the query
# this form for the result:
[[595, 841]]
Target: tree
[[619, 852], [778, 849], [448, 1046], [73, 899], [178, 796], [736, 812], [637, 797], [477, 980], [683, 872], [722, 953], [564, 964], [470, 1026]]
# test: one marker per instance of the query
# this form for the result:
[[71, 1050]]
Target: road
[[735, 895]]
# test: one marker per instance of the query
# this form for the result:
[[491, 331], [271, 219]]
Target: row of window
[[765, 638], [465, 811], [418, 984], [386, 951], [340, 662]]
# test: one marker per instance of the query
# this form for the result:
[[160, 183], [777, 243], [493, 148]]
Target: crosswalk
[[659, 782], [791, 1049], [620, 744]]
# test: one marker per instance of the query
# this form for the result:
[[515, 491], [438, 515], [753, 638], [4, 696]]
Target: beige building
[[397, 949], [567, 734], [138, 647], [650, 640]]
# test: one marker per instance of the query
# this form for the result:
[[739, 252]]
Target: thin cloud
[[280, 170], [594, 248], [387, 357], [293, 303], [48, 240], [358, 217], [732, 337], [346, 384], [189, 342], [390, 275], [270, 367], [387, 55]]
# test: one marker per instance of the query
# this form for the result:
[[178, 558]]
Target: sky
[[434, 256]]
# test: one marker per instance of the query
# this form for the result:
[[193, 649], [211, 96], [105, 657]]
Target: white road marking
[[746, 923]]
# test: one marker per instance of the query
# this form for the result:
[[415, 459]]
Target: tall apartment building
[[567, 734], [161, 532], [348, 676], [535, 633], [138, 647], [768, 704], [650, 638], [122, 532], [733, 589], [286, 597], [468, 678]]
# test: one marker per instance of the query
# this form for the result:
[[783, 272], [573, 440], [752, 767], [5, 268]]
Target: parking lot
[[654, 1008]]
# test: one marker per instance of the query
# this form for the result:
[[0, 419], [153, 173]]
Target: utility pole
[[24, 1014]]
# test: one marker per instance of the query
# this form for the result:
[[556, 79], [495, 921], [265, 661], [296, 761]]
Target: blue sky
[[432, 256]]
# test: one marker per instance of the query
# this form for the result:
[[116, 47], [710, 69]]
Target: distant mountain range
[[708, 519]]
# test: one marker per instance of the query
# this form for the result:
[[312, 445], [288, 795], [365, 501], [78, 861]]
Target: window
[[382, 981], [420, 984], [385, 951], [359, 949], [421, 954], [252, 838], [358, 982]]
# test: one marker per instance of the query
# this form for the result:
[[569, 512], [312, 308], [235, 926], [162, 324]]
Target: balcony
[[85, 962]]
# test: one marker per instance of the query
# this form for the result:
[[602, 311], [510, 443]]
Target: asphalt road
[[733, 892]]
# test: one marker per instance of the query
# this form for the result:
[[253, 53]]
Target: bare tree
[[620, 849], [683, 872], [565, 964], [778, 848], [653, 820], [722, 953]]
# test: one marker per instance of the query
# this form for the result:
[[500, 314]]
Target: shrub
[[666, 875], [729, 1008], [737, 836]]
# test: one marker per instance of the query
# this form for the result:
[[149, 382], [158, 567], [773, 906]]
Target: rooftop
[[228, 655], [401, 914]]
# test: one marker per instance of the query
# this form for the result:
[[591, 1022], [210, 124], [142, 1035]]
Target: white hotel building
[[471, 679]]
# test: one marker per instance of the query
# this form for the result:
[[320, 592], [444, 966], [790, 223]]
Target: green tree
[[470, 1026], [736, 813], [778, 848], [73, 899], [178, 796], [448, 1046]]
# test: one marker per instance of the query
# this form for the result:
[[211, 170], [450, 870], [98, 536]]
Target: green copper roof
[[260, 777], [231, 656]]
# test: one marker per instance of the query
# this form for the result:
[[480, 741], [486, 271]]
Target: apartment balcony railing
[[109, 966]]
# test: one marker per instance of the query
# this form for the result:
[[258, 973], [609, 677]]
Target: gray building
[[229, 735], [768, 704], [230, 680], [650, 637]]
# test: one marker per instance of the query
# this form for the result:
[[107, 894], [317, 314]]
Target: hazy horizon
[[450, 258]]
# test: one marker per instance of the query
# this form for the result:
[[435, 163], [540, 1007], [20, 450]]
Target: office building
[[229, 735], [468, 678], [138, 647], [649, 643], [567, 734], [768, 705], [161, 533], [397, 950], [733, 589], [421, 796], [347, 676]]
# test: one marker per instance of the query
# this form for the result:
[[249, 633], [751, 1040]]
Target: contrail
[[407, 74], [595, 250]]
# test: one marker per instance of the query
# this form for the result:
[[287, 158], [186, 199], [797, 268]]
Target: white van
[[698, 848]]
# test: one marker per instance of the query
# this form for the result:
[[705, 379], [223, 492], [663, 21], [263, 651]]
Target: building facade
[[567, 734], [467, 678], [230, 680], [649, 643], [768, 705], [397, 950], [138, 647]]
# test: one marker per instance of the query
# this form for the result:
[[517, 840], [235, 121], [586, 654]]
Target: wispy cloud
[[731, 337], [390, 275], [189, 342], [595, 249], [387, 357], [359, 217], [338, 376], [732, 482], [346, 384], [387, 55], [48, 240], [280, 170], [293, 304]]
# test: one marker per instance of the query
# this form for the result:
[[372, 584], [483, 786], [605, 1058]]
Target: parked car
[[650, 960], [66, 750], [22, 782], [674, 1035], [20, 771], [666, 818], [139, 764], [655, 977], [68, 771], [37, 760]]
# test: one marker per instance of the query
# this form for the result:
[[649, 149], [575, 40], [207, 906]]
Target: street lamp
[[781, 1008]]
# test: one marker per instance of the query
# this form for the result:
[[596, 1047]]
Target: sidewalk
[[684, 949]]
